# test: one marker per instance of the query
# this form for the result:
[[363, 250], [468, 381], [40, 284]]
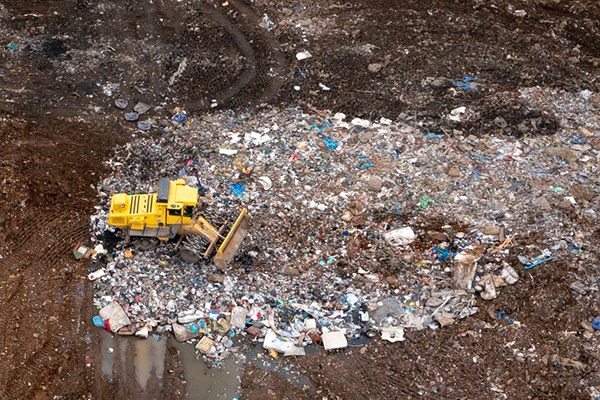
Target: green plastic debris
[[425, 202]]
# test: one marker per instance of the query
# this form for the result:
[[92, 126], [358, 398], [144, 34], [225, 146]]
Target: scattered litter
[[237, 189], [303, 55], [205, 344], [228, 152], [144, 125], [560, 362], [334, 340], [456, 114], [393, 334], [402, 236], [179, 118], [81, 251], [143, 332], [274, 342], [141, 108], [121, 104], [132, 116], [331, 144], [265, 182], [328, 193], [539, 262], [115, 316], [509, 275], [579, 287], [92, 276]]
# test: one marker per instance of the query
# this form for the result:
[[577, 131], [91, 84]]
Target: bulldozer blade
[[233, 240]]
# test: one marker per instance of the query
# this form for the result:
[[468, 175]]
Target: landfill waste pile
[[358, 228]]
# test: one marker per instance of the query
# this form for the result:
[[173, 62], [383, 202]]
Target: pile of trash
[[357, 227]]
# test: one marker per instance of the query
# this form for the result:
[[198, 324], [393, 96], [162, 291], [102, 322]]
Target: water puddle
[[108, 356], [123, 350], [203, 383], [149, 357]]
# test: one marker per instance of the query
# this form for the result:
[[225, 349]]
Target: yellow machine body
[[169, 212]]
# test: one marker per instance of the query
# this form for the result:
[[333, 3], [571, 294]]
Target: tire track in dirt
[[45, 241], [272, 84], [280, 66], [243, 45]]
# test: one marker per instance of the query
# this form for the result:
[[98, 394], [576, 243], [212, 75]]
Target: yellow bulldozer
[[147, 218]]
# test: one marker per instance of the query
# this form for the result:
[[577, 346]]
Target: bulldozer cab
[[181, 202]]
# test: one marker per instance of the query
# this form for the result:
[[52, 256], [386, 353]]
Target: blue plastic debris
[[432, 135], [99, 322], [596, 323], [330, 143], [12, 46], [443, 253], [540, 172], [462, 85], [539, 262], [237, 189], [577, 140], [179, 118], [466, 85]]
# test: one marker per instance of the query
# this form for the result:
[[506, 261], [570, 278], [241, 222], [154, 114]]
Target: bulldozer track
[[47, 241], [253, 80], [279, 65], [198, 53]]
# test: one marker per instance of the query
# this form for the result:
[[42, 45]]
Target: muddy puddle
[[221, 382], [144, 361]]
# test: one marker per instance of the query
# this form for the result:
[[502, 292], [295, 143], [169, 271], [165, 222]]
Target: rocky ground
[[521, 155]]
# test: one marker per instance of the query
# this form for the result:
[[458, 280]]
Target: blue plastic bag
[[237, 189], [330, 143], [179, 118]]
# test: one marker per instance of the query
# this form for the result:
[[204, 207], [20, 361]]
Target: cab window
[[175, 213], [188, 211]]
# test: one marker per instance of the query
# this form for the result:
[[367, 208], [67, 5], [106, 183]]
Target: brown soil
[[259, 384], [58, 127]]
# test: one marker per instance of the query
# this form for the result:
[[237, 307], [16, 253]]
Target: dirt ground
[[60, 60]]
